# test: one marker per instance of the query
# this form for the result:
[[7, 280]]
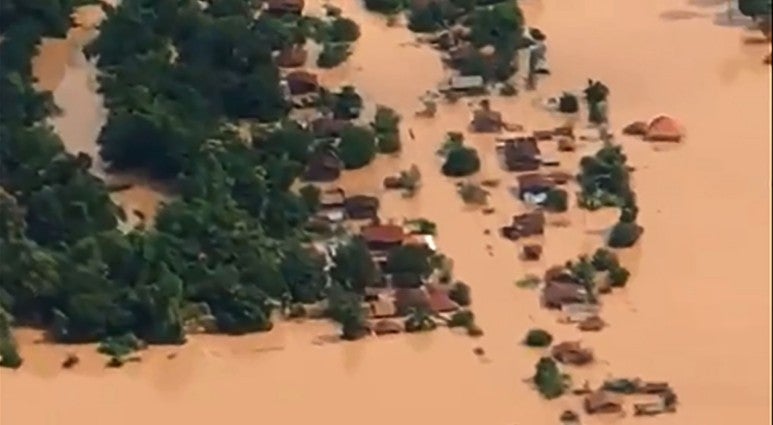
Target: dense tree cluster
[[224, 253]]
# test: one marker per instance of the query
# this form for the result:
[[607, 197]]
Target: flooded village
[[540, 233]]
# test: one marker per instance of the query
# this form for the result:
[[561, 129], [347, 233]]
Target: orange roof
[[384, 233], [664, 129]]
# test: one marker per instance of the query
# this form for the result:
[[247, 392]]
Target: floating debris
[[70, 361]]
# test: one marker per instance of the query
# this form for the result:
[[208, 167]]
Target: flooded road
[[696, 311]]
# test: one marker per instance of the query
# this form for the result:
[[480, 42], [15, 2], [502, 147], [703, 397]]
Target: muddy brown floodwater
[[696, 312]]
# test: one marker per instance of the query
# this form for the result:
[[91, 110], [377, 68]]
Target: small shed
[[572, 352], [664, 129], [383, 237], [282, 7], [533, 184], [302, 82], [323, 166], [602, 402], [411, 298], [361, 207], [292, 57]]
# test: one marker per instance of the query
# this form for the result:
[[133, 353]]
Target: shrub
[[408, 259], [386, 120], [529, 281], [344, 30], [333, 55], [357, 147], [9, 355], [624, 235], [461, 319], [538, 338], [461, 162], [556, 200], [384, 6], [389, 143], [471, 193], [120, 346], [618, 276], [568, 104], [604, 260], [548, 378], [311, 196], [426, 19], [508, 89], [460, 294]]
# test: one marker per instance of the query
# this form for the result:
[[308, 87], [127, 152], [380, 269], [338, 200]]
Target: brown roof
[[302, 82], [636, 128], [533, 183], [408, 298], [328, 127], [664, 129], [602, 402], [439, 301], [384, 233], [361, 207], [323, 166], [530, 224], [382, 307], [486, 121], [560, 177], [556, 294], [592, 324], [292, 57], [571, 352], [384, 327], [285, 6], [332, 198]]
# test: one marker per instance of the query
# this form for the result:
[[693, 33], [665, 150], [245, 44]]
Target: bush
[[409, 260], [604, 260], [347, 104], [311, 197], [538, 338], [618, 276], [120, 346], [508, 89], [624, 235], [548, 379], [344, 30], [461, 162], [461, 319], [9, 355], [384, 6], [426, 19], [357, 147], [568, 104], [333, 55], [389, 143], [472, 193], [460, 294], [556, 200], [386, 120], [419, 321]]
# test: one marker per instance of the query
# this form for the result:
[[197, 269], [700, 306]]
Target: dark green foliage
[[419, 321], [389, 143], [347, 103], [605, 260], [428, 18], [344, 30], [353, 265], [618, 276], [624, 235], [538, 338], [344, 308], [461, 319], [754, 8], [311, 197], [409, 260], [386, 125], [596, 92], [568, 103], [357, 147], [604, 178], [460, 294], [303, 272], [120, 346], [548, 379], [333, 55], [9, 354], [461, 162], [384, 6], [556, 201]]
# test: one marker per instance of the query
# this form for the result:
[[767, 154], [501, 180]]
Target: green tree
[[557, 200], [344, 30], [538, 338], [461, 162], [460, 294], [9, 353], [357, 147], [548, 378], [311, 196], [353, 265], [409, 260], [754, 8]]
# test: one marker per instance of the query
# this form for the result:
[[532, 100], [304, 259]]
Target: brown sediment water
[[696, 311]]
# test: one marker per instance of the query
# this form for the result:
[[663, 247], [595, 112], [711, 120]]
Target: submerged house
[[602, 402], [326, 128], [332, 198], [571, 352], [361, 207], [522, 155], [407, 299], [292, 57], [525, 225], [284, 7], [533, 184], [465, 84], [382, 237], [323, 166], [664, 129], [439, 301], [302, 82], [555, 294]]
